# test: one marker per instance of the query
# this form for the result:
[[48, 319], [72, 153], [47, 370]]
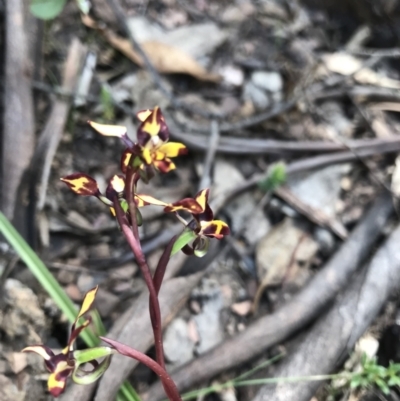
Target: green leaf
[[276, 176], [47, 9], [186, 236], [84, 6]]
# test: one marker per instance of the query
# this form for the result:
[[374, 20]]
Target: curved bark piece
[[337, 332], [298, 312]]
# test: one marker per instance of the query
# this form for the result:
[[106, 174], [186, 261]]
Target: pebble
[[256, 95], [269, 81], [178, 346]]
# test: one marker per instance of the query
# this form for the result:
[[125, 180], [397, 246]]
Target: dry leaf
[[165, 58]]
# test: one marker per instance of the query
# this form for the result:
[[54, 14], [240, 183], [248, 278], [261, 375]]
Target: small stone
[[232, 75], [106, 302], [241, 308], [178, 346], [208, 323], [269, 81], [325, 240], [256, 95], [18, 361], [73, 292]]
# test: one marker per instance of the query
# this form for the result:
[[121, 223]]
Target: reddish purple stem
[[169, 385]]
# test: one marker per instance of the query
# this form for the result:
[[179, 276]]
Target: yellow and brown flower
[[202, 223], [66, 363]]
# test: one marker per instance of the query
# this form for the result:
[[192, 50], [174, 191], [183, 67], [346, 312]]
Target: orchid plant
[[151, 154]]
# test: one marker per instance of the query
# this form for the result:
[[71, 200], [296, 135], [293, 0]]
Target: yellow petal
[[87, 301], [173, 149], [152, 124], [143, 200], [147, 156], [108, 130], [202, 198]]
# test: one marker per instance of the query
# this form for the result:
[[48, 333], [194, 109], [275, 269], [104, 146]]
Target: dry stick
[[54, 128], [335, 334], [18, 130], [308, 164], [295, 314], [238, 146], [212, 145], [317, 216], [120, 15]]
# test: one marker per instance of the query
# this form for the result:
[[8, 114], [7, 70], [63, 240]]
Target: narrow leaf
[[182, 240]]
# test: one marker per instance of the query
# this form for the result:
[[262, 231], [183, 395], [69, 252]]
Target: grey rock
[[178, 347], [256, 95], [208, 322], [269, 81], [320, 189]]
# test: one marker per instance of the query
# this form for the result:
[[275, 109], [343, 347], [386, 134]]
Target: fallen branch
[[18, 131], [337, 332], [298, 312]]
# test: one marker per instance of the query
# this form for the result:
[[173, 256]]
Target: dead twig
[[317, 216], [212, 145], [296, 313], [18, 134], [54, 128], [335, 335]]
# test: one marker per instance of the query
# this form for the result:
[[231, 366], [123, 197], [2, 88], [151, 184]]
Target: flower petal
[[125, 159], [164, 166], [146, 155], [82, 184], [153, 125], [108, 130], [202, 198], [117, 183], [144, 200], [173, 149], [87, 301], [45, 352], [58, 379], [187, 204], [216, 228], [143, 114]]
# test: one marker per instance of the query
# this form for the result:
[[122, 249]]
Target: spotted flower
[[68, 362], [202, 224], [152, 145], [83, 184]]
